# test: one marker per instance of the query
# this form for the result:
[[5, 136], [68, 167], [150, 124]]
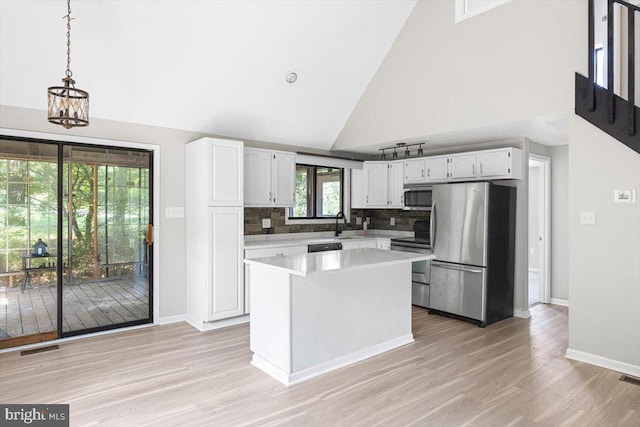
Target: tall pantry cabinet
[[214, 232]]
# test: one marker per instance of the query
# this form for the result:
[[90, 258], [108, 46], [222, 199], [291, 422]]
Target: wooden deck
[[86, 305]]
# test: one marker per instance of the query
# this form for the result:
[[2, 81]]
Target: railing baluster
[[591, 98], [632, 72], [610, 57], [592, 53]]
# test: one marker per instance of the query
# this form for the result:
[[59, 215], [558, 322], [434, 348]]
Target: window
[[465, 9], [318, 193]]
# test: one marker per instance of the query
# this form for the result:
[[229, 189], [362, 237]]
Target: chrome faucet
[[338, 216]]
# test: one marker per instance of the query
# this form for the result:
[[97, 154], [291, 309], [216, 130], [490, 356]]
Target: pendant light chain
[[68, 72]]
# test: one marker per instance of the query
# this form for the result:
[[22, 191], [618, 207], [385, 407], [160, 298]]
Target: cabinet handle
[[270, 196], [429, 172], [402, 199], [480, 168], [422, 172], [367, 199], [280, 254], [473, 169]]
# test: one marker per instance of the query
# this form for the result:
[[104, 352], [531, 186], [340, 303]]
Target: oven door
[[420, 270]]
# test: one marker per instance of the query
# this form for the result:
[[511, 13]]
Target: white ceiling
[[217, 67]]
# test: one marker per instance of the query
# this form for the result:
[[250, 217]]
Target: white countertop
[[264, 241], [305, 264]]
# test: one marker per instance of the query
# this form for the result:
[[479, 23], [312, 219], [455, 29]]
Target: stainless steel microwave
[[417, 197]]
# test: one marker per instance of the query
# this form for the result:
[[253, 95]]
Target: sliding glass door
[[75, 239]]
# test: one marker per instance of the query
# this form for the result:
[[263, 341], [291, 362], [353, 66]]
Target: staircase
[[600, 106]]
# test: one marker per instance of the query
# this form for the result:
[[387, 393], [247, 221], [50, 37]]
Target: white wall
[[510, 63], [604, 262], [534, 217]]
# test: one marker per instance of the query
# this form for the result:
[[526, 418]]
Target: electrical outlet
[[358, 220], [587, 218], [369, 220], [392, 221], [174, 212], [266, 223]]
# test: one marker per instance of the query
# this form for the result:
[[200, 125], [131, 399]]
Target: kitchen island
[[313, 313]]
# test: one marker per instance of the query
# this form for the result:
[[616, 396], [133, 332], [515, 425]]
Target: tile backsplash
[[380, 219]]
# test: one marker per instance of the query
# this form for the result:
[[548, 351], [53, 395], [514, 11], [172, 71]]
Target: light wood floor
[[512, 373], [85, 305]]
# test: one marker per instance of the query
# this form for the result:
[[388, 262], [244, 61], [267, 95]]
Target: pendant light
[[68, 106]]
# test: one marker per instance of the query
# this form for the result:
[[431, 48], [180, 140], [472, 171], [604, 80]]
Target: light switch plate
[[369, 220], [587, 218], [266, 223], [174, 212], [392, 221], [624, 196]]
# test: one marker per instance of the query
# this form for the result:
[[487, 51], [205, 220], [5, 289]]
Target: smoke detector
[[291, 77]]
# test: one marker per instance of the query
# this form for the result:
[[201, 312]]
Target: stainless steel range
[[420, 270]]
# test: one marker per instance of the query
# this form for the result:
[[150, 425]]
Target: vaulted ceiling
[[217, 67]]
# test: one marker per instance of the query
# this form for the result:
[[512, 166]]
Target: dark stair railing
[[616, 116]]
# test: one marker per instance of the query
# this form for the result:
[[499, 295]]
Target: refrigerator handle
[[455, 267], [432, 224]]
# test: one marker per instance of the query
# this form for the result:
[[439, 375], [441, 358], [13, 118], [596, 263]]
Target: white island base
[[314, 313]]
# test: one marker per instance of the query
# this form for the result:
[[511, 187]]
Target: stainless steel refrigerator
[[473, 239]]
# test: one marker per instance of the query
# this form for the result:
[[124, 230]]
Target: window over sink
[[319, 192]]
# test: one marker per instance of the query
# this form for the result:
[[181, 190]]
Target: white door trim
[[545, 276], [156, 190]]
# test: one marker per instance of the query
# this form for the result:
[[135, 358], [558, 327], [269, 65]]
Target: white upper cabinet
[[376, 178], [284, 178], [269, 178], [225, 173], [357, 189], [462, 167], [437, 169], [396, 184], [502, 163], [414, 170]]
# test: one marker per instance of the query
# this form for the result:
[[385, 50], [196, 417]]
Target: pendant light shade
[[67, 105]]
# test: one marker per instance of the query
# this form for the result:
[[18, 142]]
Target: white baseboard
[[523, 314], [593, 359], [171, 319], [209, 326], [559, 301], [288, 379]]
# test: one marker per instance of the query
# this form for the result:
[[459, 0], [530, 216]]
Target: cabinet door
[[495, 164], [377, 184], [357, 189], [284, 179], [436, 168], [225, 173], [384, 244], [226, 284], [257, 177], [396, 182], [462, 167], [414, 171]]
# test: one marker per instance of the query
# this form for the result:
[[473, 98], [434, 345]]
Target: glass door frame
[[61, 143]]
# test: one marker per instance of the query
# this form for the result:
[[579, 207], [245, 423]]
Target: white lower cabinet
[[383, 243], [262, 253]]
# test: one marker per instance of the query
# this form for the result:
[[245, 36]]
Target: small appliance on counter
[[420, 243]]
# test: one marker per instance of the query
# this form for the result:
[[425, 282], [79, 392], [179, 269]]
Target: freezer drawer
[[458, 289], [420, 294]]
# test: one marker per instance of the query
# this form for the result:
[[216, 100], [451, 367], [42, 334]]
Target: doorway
[[75, 239], [539, 229]]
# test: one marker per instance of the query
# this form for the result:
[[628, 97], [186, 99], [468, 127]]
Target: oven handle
[[410, 249]]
